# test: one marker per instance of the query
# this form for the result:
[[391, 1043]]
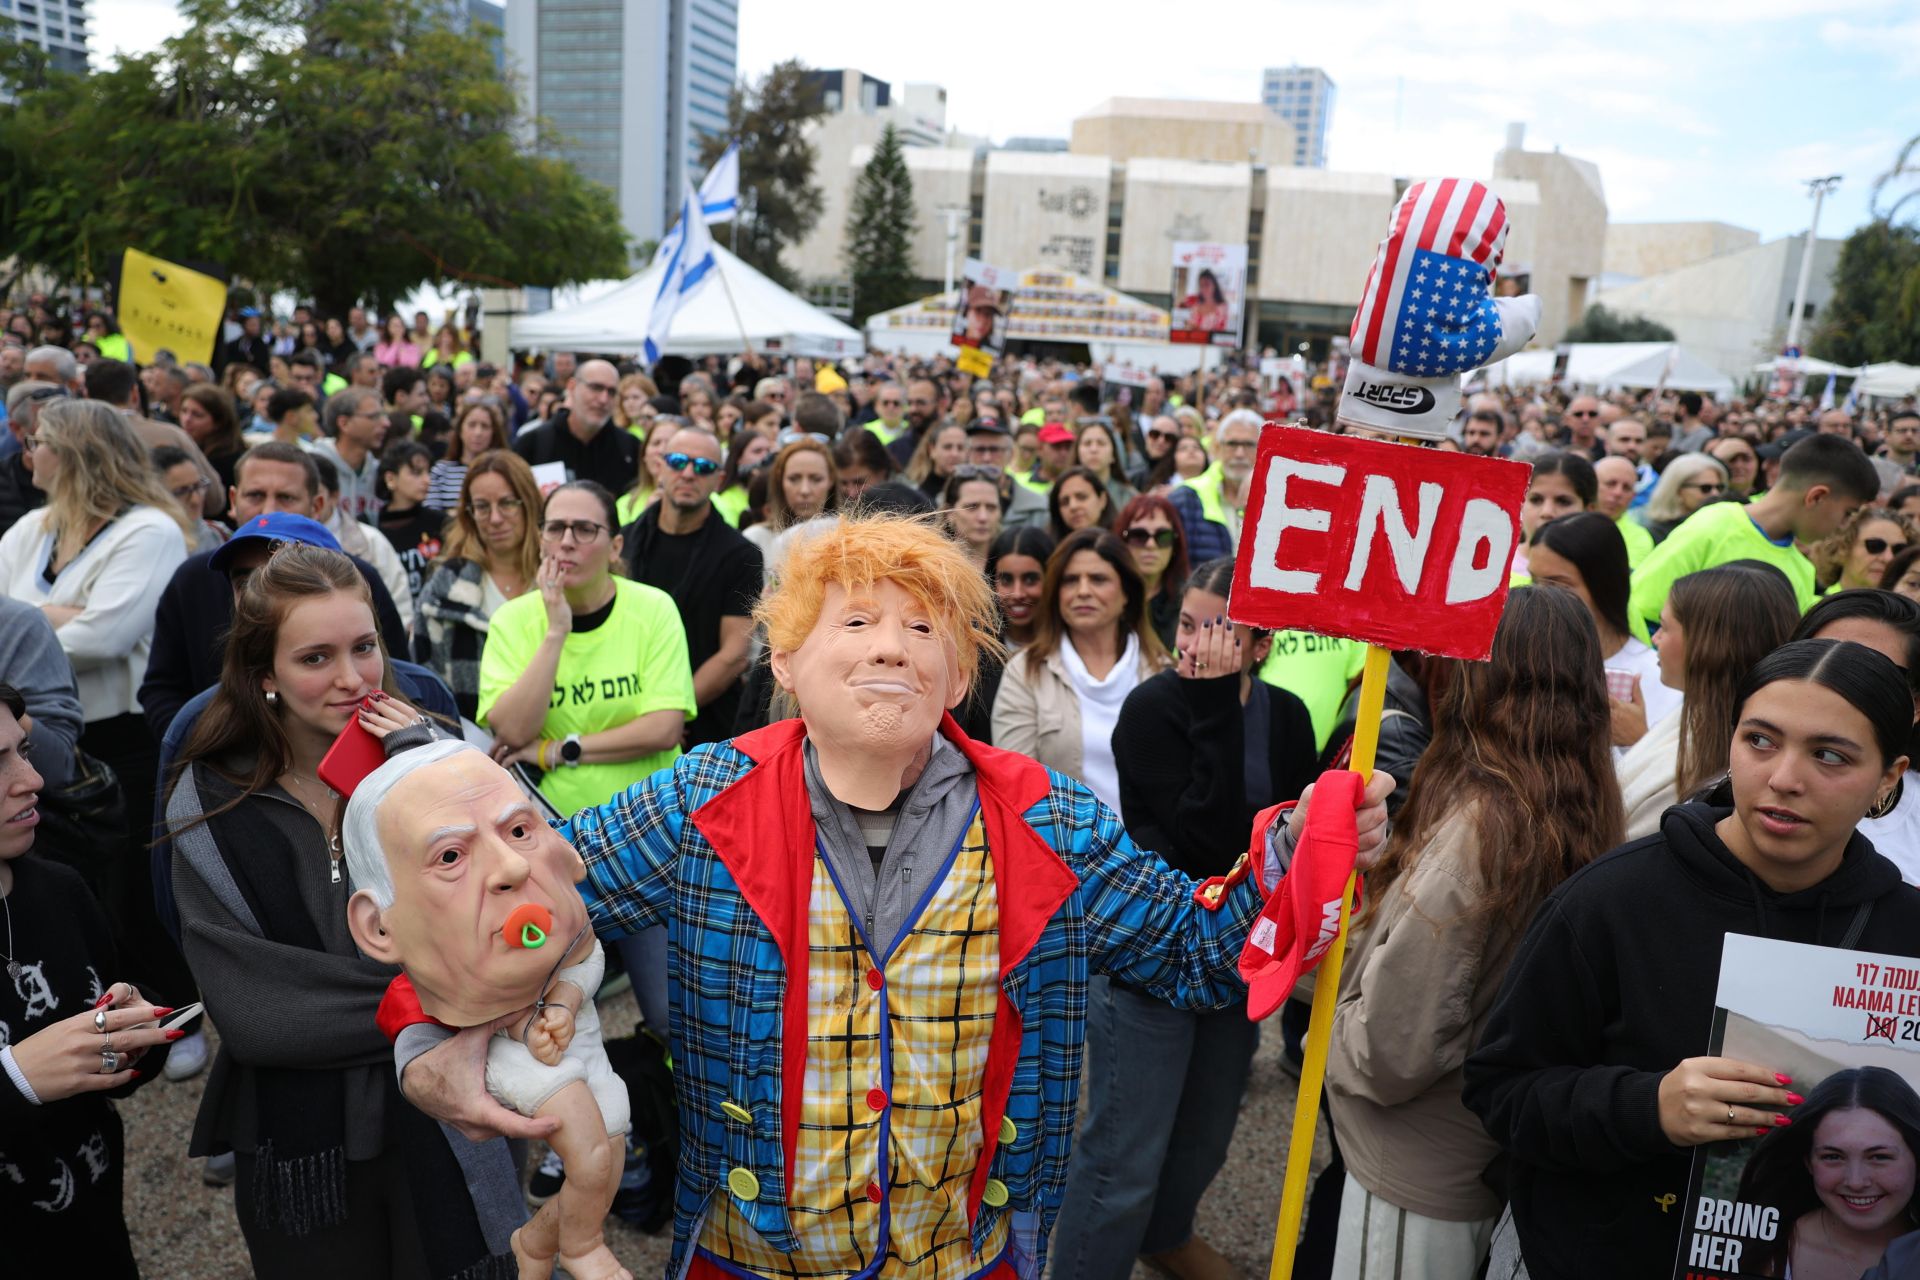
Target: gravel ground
[[184, 1230]]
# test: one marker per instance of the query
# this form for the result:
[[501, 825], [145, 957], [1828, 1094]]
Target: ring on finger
[[107, 1040], [109, 1063], [1730, 1119], [100, 1022]]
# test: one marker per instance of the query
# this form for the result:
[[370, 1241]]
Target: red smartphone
[[353, 755]]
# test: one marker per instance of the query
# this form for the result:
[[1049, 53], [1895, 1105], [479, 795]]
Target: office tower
[[1304, 98]]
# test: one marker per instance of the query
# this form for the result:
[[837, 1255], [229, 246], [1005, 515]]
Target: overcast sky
[[1692, 109]]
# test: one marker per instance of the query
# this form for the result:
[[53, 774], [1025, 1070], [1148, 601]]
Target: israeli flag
[[1853, 395], [687, 253], [720, 193], [1826, 397]]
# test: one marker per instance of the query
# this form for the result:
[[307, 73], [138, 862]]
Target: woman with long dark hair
[[1842, 1175], [1017, 568], [481, 428], [336, 1173], [1200, 750], [1515, 795], [207, 413], [1585, 554], [1589, 1074], [1078, 501], [1714, 626], [1061, 696]]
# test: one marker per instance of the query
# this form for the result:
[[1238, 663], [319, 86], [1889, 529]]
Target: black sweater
[[61, 1162], [1179, 750], [1613, 985]]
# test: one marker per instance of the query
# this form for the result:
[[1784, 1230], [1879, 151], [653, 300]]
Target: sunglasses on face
[[1709, 487], [1139, 537], [681, 461], [1163, 435], [1881, 547], [976, 471]]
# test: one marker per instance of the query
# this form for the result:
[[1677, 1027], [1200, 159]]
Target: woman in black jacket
[[1590, 1073], [1199, 750]]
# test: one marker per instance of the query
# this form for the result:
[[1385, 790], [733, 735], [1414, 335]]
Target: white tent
[[1891, 380], [760, 312], [1608, 365], [1811, 367]]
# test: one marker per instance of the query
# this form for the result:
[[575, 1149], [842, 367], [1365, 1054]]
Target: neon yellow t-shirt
[[1317, 670], [632, 664]]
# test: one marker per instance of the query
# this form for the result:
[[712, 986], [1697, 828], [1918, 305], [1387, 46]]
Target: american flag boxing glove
[[1428, 314]]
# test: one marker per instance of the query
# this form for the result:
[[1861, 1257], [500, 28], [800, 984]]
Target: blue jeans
[[644, 956], [1163, 1094]]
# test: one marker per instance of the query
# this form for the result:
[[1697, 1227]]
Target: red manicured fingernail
[[1763, 1132], [103, 1001], [1781, 1122], [1794, 1099], [1783, 1079], [176, 1033], [161, 1013]]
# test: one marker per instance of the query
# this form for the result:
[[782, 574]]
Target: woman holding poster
[[1516, 795], [1842, 1174], [1591, 1074]]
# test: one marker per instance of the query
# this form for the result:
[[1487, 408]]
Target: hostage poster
[[1829, 1196]]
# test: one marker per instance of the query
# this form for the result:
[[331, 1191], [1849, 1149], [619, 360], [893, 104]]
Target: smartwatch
[[570, 751]]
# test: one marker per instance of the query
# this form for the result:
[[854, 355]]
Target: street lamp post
[[1819, 188], [952, 213]]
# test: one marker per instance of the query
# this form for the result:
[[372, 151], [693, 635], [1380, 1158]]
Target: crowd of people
[[1711, 656]]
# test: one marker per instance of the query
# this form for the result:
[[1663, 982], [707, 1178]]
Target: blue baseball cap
[[274, 527]]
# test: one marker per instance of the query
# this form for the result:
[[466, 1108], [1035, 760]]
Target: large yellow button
[[995, 1193], [1008, 1130], [743, 1184], [737, 1112]]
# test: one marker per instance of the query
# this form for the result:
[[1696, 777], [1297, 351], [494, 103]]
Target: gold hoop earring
[[1885, 804]]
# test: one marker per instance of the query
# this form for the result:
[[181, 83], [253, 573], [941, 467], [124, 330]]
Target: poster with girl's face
[[1209, 289], [1831, 1194]]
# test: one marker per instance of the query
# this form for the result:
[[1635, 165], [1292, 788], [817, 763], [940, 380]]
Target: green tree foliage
[[880, 226], [1602, 325], [347, 150], [1875, 311], [779, 201]]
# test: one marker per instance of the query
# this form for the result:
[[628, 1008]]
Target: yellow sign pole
[[1326, 992]]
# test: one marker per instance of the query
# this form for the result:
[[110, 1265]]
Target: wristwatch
[[570, 751]]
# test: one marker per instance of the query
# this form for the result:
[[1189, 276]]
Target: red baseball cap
[[1302, 916], [1055, 433]]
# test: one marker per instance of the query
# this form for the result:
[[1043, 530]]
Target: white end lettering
[[1379, 500], [1276, 517], [1483, 523]]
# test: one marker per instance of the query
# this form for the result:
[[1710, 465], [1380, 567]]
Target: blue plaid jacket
[[719, 848]]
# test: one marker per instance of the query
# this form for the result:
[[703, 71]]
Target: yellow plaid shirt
[[890, 1133]]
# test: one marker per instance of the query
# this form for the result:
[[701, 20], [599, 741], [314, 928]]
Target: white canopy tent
[[760, 312], [1891, 380], [1606, 366], [1811, 367]]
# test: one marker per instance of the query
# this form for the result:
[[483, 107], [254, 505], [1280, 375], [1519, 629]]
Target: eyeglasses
[[1707, 487], [186, 491], [583, 531], [977, 471], [1139, 537], [1239, 444], [681, 461], [508, 507], [1170, 436], [1881, 547], [30, 441], [1583, 413]]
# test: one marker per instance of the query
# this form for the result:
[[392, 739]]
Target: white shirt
[[116, 583], [1898, 834], [1100, 702], [1642, 661]]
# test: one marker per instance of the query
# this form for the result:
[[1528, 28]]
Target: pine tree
[[880, 226]]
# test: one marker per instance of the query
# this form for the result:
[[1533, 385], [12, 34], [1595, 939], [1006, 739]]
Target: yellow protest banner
[[165, 305]]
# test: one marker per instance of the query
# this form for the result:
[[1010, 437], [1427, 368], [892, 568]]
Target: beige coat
[[1646, 774], [1419, 980], [1041, 717]]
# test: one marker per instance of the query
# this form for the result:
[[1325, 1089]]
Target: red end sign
[[1395, 545]]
